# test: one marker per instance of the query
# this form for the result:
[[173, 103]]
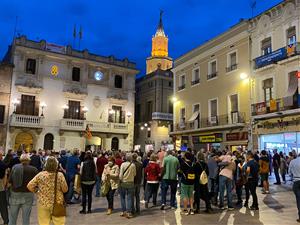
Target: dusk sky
[[123, 28]]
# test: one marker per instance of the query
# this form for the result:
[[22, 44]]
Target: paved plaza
[[278, 208]]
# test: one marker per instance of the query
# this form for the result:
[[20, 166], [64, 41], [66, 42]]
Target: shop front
[[211, 141], [284, 142], [236, 140]]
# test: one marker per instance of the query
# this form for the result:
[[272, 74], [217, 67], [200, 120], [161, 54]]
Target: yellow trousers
[[44, 216]]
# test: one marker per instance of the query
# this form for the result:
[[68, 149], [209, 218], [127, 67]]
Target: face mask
[[110, 164]]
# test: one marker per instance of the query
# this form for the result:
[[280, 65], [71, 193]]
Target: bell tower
[[159, 55]]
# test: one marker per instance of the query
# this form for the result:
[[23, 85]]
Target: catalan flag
[[88, 133]]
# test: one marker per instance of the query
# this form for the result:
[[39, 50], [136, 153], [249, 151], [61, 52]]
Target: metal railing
[[231, 68], [222, 120], [181, 87], [274, 105], [212, 75], [193, 82]]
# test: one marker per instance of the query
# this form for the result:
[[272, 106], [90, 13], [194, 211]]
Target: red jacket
[[101, 162], [152, 172]]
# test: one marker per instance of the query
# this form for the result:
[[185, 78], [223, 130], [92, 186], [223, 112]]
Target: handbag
[[203, 177], [105, 186], [59, 210], [77, 184]]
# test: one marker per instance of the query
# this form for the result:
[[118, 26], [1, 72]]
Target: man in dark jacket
[[3, 196], [276, 166], [137, 184], [35, 160]]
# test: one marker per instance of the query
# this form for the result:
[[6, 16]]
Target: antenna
[[15, 29], [253, 6]]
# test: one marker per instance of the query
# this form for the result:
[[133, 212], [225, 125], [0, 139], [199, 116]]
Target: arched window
[[114, 143], [48, 141], [118, 81]]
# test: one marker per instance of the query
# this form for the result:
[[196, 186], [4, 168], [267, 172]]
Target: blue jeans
[[126, 204], [17, 201], [296, 189], [225, 182], [98, 185], [70, 193], [164, 190]]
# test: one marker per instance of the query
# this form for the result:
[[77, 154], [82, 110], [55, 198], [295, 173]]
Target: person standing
[[3, 192], [283, 167], [152, 174], [35, 160], [72, 168], [252, 170], [213, 178], [276, 166], [111, 174], [43, 184], [225, 179], [100, 163], [264, 170], [169, 178], [88, 179], [127, 174], [137, 184], [294, 171], [20, 196], [201, 190]]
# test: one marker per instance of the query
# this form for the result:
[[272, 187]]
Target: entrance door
[[48, 142], [115, 144], [24, 142]]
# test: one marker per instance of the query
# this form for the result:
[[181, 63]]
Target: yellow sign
[[207, 139], [54, 70], [273, 105]]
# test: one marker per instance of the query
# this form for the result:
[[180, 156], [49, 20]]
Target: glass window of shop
[[285, 142]]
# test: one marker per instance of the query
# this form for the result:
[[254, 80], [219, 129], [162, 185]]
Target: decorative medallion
[[54, 70]]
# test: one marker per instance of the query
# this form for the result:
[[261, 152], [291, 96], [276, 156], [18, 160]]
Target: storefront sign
[[271, 58], [162, 116], [213, 138], [238, 136], [260, 108]]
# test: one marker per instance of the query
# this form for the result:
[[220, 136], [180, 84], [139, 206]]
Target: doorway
[[48, 141], [24, 142], [114, 143]]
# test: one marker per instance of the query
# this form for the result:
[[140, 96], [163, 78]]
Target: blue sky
[[123, 28]]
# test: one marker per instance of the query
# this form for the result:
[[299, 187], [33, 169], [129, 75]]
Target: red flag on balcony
[[88, 133], [298, 74]]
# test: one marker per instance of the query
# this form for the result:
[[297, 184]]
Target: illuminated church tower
[[159, 54]]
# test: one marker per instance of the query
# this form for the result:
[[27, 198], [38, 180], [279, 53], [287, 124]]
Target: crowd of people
[[65, 177]]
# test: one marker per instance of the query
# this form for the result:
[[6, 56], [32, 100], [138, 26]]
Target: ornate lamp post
[[43, 105]]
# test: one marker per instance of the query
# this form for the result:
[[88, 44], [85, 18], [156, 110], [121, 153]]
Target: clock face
[[98, 75]]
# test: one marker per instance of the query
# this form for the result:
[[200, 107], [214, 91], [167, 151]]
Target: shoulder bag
[[59, 210]]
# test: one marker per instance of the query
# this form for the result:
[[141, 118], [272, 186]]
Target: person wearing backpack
[[264, 169], [201, 183], [187, 169]]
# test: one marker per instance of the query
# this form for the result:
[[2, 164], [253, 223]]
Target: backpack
[[203, 177], [264, 167]]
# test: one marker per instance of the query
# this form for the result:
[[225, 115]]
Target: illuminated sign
[[212, 138], [54, 70]]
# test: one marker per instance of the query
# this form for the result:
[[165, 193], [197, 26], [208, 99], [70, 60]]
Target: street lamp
[[174, 99], [111, 111], [43, 105], [15, 102], [142, 128], [85, 110], [146, 125], [148, 128], [243, 76], [65, 106], [128, 114]]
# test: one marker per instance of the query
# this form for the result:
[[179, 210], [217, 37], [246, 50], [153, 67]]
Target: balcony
[[277, 55], [194, 82], [274, 107], [181, 87], [99, 127], [236, 119], [231, 68], [18, 120], [212, 75]]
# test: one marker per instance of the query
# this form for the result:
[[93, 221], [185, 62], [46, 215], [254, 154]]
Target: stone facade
[[5, 89], [68, 92]]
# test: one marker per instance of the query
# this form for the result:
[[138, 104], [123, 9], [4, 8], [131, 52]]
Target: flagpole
[[74, 36]]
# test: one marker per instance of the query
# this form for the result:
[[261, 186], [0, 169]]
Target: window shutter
[[122, 117], [36, 108], [19, 108], [291, 32]]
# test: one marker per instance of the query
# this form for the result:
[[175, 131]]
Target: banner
[[55, 48]]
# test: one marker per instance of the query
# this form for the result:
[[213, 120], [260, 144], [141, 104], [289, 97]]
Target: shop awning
[[194, 116], [293, 84]]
